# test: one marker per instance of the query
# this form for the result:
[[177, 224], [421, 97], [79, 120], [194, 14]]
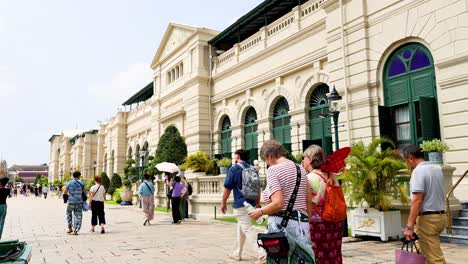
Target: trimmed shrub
[[171, 147], [105, 181], [116, 195], [116, 182], [127, 184]]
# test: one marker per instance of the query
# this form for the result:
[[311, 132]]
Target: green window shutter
[[287, 134], [430, 127], [396, 92], [423, 85], [386, 126]]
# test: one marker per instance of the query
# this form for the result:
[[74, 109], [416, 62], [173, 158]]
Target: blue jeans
[[77, 211]]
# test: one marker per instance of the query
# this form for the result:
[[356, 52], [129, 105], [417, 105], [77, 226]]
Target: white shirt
[[99, 192]]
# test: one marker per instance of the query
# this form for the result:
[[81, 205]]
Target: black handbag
[[276, 243]]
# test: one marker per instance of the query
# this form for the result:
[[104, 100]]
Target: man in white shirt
[[427, 216]]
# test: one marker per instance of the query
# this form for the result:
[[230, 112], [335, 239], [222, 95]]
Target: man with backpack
[[244, 181]]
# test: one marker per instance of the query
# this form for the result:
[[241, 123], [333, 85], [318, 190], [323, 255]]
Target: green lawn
[[234, 221], [162, 210], [111, 202]]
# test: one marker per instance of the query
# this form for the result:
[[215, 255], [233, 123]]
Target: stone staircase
[[459, 228]]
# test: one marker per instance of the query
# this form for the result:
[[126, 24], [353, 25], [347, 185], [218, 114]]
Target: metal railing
[[447, 202]]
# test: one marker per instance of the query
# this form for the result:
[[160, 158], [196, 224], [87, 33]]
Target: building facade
[[70, 151], [400, 65]]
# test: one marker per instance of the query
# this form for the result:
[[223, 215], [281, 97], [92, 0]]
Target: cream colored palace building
[[400, 65]]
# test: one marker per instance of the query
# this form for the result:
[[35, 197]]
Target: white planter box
[[371, 222]]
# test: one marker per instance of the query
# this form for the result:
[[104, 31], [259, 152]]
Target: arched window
[[320, 124], [410, 114], [105, 163], [130, 154], [281, 123], [226, 141], [145, 159], [250, 134], [112, 163], [137, 156]]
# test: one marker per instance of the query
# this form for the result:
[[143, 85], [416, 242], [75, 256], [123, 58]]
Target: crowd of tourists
[[27, 189], [295, 199]]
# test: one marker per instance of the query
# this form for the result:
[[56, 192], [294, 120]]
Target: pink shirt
[[282, 177]]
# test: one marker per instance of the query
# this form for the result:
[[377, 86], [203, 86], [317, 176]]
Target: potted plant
[[435, 148], [198, 162], [373, 180], [126, 194], [224, 164]]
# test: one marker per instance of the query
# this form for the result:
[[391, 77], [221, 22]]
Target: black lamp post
[[334, 104], [142, 165], [61, 175], [94, 168]]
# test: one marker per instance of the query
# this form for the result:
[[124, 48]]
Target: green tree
[[129, 170], [105, 181], [171, 147], [44, 180], [38, 179], [116, 182], [19, 179], [375, 176]]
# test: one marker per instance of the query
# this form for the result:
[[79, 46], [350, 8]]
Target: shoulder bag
[[149, 188], [276, 243], [83, 194]]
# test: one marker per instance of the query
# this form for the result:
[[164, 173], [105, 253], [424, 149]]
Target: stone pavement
[[42, 224]]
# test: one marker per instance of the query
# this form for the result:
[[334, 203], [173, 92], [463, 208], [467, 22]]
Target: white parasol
[[167, 167]]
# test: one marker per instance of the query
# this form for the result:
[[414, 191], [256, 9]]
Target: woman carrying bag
[[288, 206], [96, 204]]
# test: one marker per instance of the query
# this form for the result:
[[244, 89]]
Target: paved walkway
[[42, 224]]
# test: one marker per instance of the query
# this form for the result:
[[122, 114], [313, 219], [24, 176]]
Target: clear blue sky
[[69, 63]]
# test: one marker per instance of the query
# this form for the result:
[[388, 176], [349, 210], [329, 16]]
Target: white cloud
[[7, 84], [123, 84]]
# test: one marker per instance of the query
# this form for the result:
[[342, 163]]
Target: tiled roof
[[29, 168]]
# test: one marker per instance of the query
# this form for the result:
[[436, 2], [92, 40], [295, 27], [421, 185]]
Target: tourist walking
[[97, 194], [177, 192], [59, 190], [326, 236], [45, 190], [146, 192], [287, 186], [427, 216], [75, 190], [233, 182], [4, 193]]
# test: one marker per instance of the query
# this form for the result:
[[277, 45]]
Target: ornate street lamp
[[334, 104], [142, 166], [94, 167]]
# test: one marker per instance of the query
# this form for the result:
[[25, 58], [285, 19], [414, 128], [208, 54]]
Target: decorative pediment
[[174, 37]]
